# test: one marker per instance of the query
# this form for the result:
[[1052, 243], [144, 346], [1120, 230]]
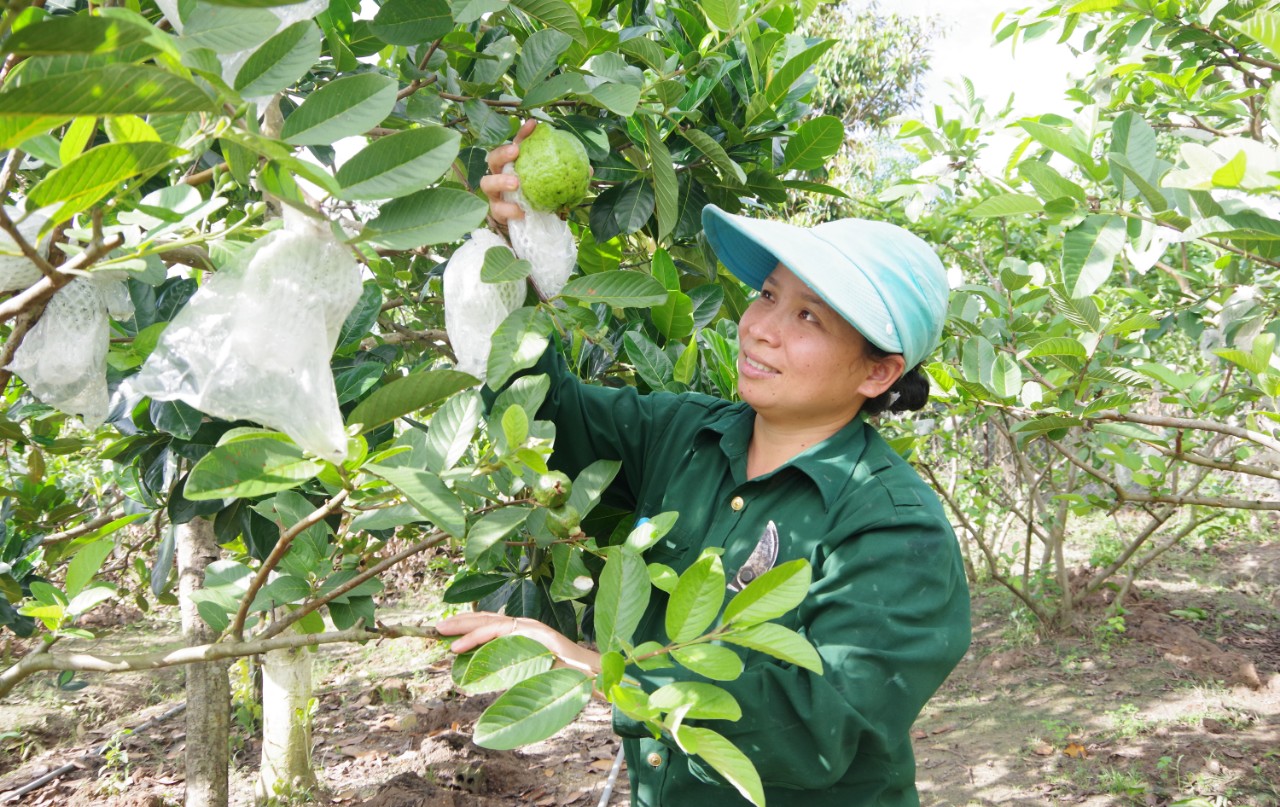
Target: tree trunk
[[286, 724], [208, 690]]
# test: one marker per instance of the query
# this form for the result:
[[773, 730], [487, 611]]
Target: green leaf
[[651, 362], [591, 484], [573, 579], [696, 601], [622, 209], [224, 31], [813, 144], [1005, 376], [515, 425], [1133, 139], [414, 392], [412, 22], [649, 532], [555, 14], [1263, 27], [468, 11], [1058, 346], [87, 599], [667, 190], [399, 164], [533, 709], [1089, 252], [472, 587], [1153, 196], [86, 564], [710, 661], [791, 72], [725, 758], [503, 663], [98, 173], [723, 14], [777, 641], [75, 33], [284, 590], [347, 106], [1056, 140], [716, 153], [431, 216], [429, 494], [770, 595], [1048, 183], [621, 100], [502, 266], [540, 55], [117, 89], [621, 599], [703, 701], [1006, 204], [281, 60], [248, 468], [517, 344], [619, 288], [452, 427]]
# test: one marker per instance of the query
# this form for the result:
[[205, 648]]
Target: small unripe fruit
[[562, 521], [552, 489], [554, 170]]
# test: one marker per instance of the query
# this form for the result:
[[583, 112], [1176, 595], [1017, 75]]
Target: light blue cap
[[885, 281]]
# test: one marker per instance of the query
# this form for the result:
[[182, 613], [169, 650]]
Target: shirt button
[[655, 760], [737, 503]]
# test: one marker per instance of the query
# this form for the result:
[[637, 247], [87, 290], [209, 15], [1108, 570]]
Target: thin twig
[[277, 554]]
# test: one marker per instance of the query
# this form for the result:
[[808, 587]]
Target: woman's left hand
[[480, 627]]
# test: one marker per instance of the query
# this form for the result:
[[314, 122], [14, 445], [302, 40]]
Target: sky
[[1037, 76]]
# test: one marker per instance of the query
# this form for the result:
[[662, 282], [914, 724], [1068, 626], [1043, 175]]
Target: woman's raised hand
[[495, 183]]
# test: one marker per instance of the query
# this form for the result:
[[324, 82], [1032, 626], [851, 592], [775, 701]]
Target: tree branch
[[35, 662], [1187, 423], [277, 554], [83, 529], [45, 287]]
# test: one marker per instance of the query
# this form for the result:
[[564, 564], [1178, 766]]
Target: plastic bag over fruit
[[254, 342], [63, 359], [473, 309]]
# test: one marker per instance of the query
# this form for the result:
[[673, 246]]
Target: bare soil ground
[[1181, 707]]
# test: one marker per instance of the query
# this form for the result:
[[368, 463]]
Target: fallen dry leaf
[[1076, 751], [1043, 750]]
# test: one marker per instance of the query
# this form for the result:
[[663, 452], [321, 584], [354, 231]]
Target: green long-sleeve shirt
[[888, 609]]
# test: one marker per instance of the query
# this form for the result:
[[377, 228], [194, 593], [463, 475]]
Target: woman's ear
[[883, 374]]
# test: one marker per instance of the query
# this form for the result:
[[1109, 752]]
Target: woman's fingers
[[526, 129], [475, 629]]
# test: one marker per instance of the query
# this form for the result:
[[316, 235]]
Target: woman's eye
[[808, 316]]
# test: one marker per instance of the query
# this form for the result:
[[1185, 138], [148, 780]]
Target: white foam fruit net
[[63, 359], [254, 342], [16, 270], [474, 309], [544, 240]]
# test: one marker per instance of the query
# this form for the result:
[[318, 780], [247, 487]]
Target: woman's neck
[[774, 444]]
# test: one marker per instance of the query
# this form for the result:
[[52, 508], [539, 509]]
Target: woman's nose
[[760, 325]]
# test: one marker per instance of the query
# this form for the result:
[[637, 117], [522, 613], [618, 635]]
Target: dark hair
[[908, 394]]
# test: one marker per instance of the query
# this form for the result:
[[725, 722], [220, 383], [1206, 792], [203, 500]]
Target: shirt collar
[[829, 464]]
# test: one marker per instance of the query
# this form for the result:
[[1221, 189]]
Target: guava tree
[[224, 229], [1115, 329]]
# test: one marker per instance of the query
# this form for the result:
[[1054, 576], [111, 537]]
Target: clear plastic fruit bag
[[254, 342], [63, 359]]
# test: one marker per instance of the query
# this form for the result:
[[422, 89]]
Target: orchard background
[[1104, 399]]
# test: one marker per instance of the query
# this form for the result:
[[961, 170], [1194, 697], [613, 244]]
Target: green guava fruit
[[554, 170], [552, 489], [563, 521]]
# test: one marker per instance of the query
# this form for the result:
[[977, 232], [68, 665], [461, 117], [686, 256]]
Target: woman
[[846, 313]]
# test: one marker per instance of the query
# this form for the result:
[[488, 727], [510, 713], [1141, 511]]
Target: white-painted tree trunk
[[286, 724], [208, 690]]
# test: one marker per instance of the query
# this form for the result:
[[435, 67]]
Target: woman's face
[[802, 364]]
